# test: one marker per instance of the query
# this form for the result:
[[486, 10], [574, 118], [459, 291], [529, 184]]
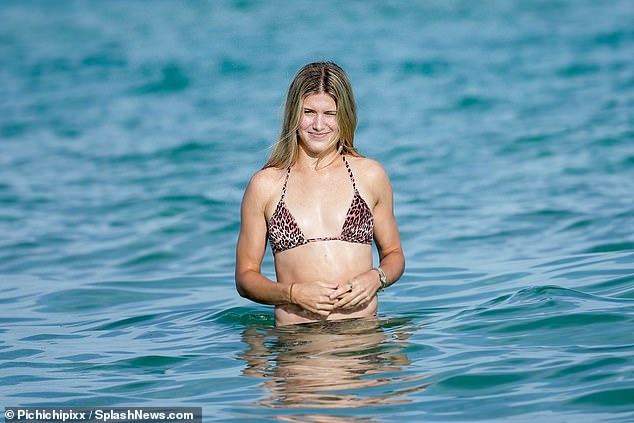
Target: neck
[[316, 163]]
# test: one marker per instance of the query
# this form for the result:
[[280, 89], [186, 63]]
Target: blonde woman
[[320, 204]]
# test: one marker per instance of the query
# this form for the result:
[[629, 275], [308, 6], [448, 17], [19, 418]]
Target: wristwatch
[[382, 278]]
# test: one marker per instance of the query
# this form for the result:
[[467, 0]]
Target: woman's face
[[318, 127]]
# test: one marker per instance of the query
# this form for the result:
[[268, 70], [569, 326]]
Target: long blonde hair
[[315, 78]]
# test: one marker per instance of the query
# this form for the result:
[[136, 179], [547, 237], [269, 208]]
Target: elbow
[[239, 286], [241, 291], [402, 264]]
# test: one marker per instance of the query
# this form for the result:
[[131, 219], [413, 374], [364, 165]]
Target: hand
[[357, 291], [316, 297]]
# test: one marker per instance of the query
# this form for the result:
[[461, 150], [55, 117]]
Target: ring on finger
[[350, 285]]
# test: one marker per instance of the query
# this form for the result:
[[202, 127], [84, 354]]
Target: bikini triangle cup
[[284, 233]]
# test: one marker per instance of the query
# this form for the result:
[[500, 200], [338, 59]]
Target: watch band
[[382, 278]]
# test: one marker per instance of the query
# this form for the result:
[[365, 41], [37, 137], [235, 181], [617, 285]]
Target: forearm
[[393, 264], [256, 287]]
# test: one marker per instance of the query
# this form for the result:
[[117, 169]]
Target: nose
[[318, 122]]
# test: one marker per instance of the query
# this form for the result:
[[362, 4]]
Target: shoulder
[[265, 183], [368, 169], [267, 177], [372, 179]]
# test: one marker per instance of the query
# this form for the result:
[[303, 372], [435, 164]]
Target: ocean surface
[[129, 130]]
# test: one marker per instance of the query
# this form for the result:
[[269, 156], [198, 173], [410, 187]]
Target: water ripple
[[128, 136]]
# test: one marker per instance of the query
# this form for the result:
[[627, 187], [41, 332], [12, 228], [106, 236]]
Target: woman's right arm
[[250, 282]]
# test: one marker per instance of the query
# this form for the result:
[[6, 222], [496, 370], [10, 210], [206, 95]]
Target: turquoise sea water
[[128, 131]]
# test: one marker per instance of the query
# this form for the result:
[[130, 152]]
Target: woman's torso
[[329, 261], [332, 214]]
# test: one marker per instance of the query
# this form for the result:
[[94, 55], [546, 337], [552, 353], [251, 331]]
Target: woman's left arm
[[386, 237]]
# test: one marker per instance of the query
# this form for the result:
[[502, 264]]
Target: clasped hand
[[324, 298]]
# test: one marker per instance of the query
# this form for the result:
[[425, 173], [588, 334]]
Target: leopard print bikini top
[[284, 233]]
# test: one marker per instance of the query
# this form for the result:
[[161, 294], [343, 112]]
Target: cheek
[[305, 123], [331, 121]]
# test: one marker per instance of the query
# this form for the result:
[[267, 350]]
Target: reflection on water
[[345, 364]]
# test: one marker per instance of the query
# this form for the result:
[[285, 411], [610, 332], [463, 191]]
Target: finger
[[327, 299], [347, 304], [337, 295], [339, 292], [325, 310], [345, 300], [323, 313], [344, 288], [355, 301], [326, 305]]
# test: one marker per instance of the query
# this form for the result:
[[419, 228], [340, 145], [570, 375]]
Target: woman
[[320, 204]]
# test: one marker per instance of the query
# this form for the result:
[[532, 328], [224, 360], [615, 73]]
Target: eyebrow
[[309, 109]]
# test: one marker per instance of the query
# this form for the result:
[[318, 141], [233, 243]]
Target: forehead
[[320, 101]]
